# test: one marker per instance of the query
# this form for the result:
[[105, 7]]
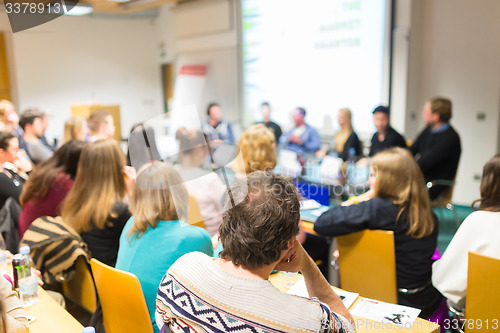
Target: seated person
[[10, 185], [437, 148], [75, 128], [12, 315], [101, 126], [205, 186], [479, 232], [216, 129], [400, 203], [156, 236], [32, 125], [386, 137], [275, 128], [346, 141], [303, 138], [200, 293], [48, 185], [96, 206]]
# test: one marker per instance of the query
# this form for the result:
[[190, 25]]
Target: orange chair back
[[367, 264], [482, 307], [123, 305], [81, 288], [194, 214]]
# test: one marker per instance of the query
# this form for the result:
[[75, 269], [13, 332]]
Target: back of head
[[99, 184], [96, 119], [142, 147], [5, 137], [257, 149], [159, 195], [73, 125], [490, 186], [65, 159], [255, 231], [190, 139], [399, 179], [442, 106], [28, 117]]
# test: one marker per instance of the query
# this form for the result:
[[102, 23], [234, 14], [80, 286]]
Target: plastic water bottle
[[88, 329], [28, 284], [3, 256]]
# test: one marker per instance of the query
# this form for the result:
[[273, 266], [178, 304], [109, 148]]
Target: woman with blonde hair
[[75, 128], [258, 149], [346, 140], [156, 236], [96, 205], [399, 203]]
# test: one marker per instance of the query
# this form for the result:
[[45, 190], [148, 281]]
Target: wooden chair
[[81, 288], [482, 307], [123, 305], [367, 264], [194, 214]]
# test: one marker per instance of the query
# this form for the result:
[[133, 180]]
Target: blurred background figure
[[303, 138], [386, 137], [215, 128], [265, 108], [101, 126], [142, 148], [32, 124], [75, 128]]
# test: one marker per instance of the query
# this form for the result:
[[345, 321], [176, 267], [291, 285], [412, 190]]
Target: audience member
[[96, 204], [478, 233], [48, 185], [9, 185], [205, 186], [265, 108], [386, 137], [215, 128], [13, 317], [437, 148], [32, 125], [12, 159], [9, 118], [156, 235], [142, 148], [303, 138], [345, 140], [43, 138], [399, 203], [75, 128], [258, 236], [101, 126], [258, 150]]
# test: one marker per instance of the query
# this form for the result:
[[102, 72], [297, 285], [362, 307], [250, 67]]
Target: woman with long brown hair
[[399, 203], [479, 232], [95, 207], [48, 185]]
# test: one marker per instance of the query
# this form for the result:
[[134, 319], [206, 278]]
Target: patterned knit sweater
[[196, 295]]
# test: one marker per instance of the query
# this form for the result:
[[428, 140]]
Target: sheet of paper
[[310, 204], [385, 312], [319, 211], [300, 289]]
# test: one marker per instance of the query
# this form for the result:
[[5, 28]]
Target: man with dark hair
[[265, 108], [32, 125], [386, 137], [216, 129], [303, 138], [437, 148], [233, 293]]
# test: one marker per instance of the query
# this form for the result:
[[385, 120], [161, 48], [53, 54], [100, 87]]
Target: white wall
[[74, 60], [454, 52]]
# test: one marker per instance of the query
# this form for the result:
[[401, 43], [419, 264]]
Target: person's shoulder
[[190, 260]]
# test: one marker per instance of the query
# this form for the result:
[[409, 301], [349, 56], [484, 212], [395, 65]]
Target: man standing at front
[[437, 148], [233, 293]]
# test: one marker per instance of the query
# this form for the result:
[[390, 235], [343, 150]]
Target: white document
[[300, 289], [309, 204], [385, 312], [319, 211], [330, 169]]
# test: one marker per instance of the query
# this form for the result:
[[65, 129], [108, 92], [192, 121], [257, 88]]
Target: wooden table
[[284, 282], [51, 317]]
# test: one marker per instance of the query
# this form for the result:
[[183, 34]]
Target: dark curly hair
[[266, 216]]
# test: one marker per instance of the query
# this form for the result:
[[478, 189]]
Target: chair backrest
[[81, 288], [367, 264], [482, 306], [122, 300], [194, 214]]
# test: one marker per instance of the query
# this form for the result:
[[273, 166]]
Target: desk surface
[[51, 317], [283, 283]]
